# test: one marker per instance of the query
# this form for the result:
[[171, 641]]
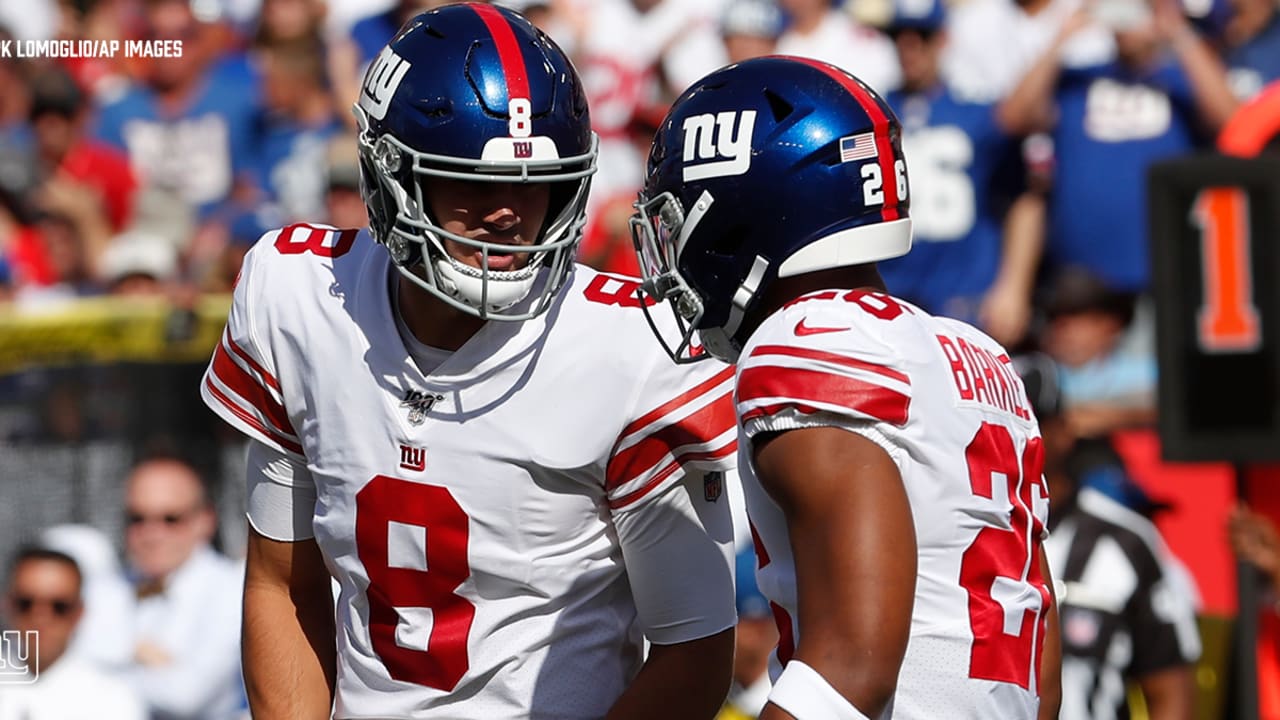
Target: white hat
[[139, 253]]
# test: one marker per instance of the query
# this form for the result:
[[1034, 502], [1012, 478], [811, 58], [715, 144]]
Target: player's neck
[[854, 277], [433, 322]]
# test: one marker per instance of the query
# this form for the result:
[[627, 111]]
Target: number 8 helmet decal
[[770, 168], [474, 92]]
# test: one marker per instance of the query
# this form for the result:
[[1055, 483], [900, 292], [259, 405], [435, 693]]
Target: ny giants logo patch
[[413, 458]]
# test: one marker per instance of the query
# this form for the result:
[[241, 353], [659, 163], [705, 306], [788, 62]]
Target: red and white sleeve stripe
[[695, 427], [777, 378], [240, 390]]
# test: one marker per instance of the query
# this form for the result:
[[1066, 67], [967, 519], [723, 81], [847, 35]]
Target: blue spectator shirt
[[1113, 123], [372, 33], [292, 166], [1256, 63], [198, 150], [955, 154]]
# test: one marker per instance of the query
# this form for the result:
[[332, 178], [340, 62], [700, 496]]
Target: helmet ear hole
[[729, 243], [778, 106]]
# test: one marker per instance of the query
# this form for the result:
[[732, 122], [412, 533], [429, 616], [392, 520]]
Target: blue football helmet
[[770, 168], [474, 92]]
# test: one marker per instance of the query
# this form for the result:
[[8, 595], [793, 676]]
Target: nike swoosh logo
[[802, 329]]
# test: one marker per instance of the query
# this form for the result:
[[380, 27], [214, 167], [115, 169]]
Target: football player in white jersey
[[891, 466], [478, 440]]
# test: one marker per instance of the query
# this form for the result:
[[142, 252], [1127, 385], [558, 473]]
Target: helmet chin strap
[[495, 293], [719, 340]]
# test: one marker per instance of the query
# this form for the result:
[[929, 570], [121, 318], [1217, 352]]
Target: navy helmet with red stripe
[[474, 92], [770, 168]]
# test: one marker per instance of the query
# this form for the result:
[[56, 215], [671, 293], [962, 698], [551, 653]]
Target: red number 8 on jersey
[[416, 584]]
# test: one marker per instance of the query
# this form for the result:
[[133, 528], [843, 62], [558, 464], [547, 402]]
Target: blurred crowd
[[1029, 126]]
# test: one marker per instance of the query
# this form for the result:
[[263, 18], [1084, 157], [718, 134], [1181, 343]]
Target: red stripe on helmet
[[880, 122], [508, 51]]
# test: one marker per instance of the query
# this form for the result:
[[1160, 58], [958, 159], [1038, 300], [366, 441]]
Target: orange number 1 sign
[[1228, 319]]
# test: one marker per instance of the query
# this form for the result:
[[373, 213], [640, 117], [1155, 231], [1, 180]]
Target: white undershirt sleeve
[[281, 492], [679, 552]]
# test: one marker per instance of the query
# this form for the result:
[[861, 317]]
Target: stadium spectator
[[1106, 382], [819, 30], [1251, 39], [287, 22], [298, 124], [624, 82], [74, 271], [138, 264], [750, 28], [184, 127], [186, 620], [43, 596], [351, 52], [994, 42], [1124, 616], [1110, 122], [87, 181], [100, 638], [966, 262], [344, 207]]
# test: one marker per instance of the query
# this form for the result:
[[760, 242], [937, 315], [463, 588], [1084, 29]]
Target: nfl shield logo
[[712, 486]]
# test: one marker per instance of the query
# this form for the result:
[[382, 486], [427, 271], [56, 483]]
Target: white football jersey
[[476, 517], [944, 401]]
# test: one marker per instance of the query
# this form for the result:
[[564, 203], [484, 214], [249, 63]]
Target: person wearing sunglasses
[[42, 603], [186, 618]]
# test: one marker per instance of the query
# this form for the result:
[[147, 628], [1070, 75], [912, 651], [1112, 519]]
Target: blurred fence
[[90, 386]]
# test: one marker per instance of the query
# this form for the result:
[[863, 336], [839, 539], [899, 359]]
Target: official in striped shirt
[[1125, 617]]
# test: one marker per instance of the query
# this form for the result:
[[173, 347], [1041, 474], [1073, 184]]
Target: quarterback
[[477, 439], [891, 467]]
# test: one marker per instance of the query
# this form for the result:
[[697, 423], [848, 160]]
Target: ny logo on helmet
[[380, 82], [728, 142]]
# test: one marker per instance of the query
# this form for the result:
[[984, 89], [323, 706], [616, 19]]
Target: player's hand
[[1255, 540], [1005, 314]]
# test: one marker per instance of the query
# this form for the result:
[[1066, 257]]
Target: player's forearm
[[1050, 653], [685, 681], [288, 654], [1169, 693]]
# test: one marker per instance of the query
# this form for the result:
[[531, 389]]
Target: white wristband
[[803, 692]]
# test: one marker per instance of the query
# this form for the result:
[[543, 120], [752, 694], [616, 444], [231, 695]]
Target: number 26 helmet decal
[[474, 92], [762, 170]]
